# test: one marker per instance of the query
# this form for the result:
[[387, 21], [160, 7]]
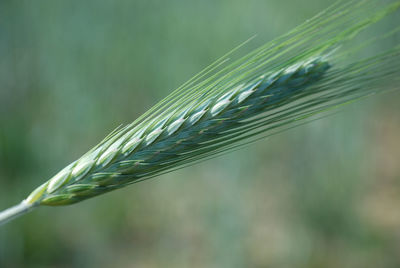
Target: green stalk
[[15, 211]]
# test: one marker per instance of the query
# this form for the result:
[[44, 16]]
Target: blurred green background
[[326, 194]]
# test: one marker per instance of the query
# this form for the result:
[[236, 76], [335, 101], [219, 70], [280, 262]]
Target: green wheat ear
[[279, 85]]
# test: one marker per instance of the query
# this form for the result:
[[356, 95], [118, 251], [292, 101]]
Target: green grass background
[[326, 194]]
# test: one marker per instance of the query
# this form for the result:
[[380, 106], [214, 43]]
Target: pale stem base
[[15, 211]]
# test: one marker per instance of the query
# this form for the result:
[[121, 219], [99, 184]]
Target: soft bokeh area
[[326, 194]]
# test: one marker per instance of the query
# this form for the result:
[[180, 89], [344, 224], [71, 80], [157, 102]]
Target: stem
[[15, 211]]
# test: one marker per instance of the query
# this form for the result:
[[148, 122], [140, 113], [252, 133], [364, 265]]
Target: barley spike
[[282, 84]]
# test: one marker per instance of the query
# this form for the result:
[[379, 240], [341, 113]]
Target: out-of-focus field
[[326, 194]]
